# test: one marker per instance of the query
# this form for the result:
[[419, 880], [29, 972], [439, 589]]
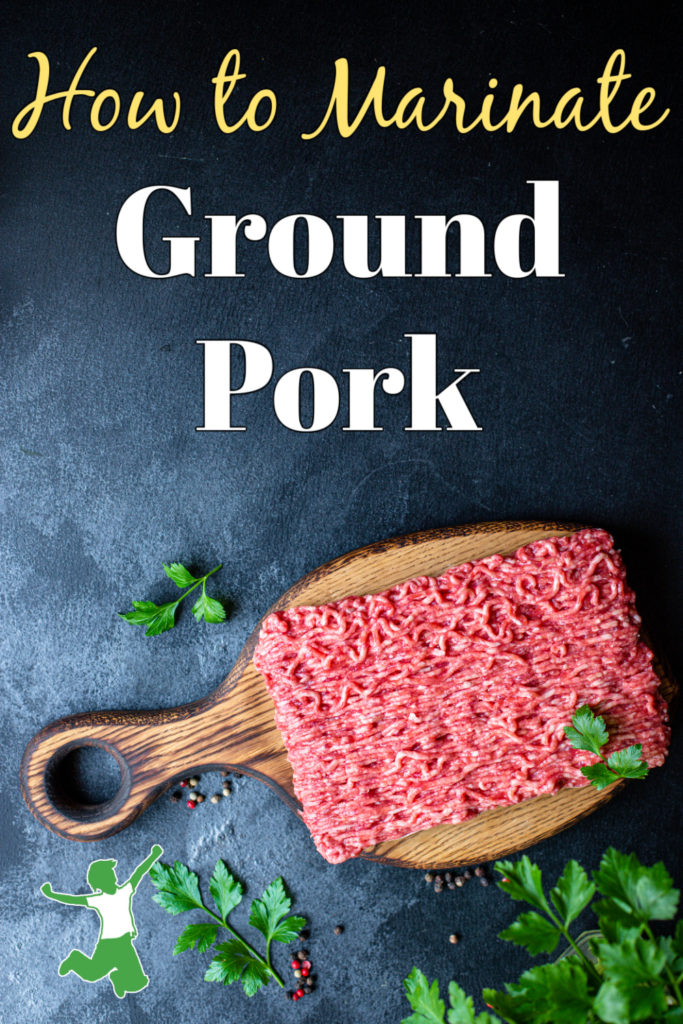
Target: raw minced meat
[[442, 697]]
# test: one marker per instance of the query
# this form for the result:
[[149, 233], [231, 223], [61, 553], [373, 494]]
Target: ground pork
[[442, 697]]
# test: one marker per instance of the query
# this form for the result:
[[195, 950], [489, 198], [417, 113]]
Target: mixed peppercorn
[[194, 796], [452, 880], [301, 969], [455, 880]]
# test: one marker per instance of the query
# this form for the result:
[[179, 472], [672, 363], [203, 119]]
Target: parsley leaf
[[200, 935], [225, 890], [634, 968], [178, 890], [181, 576], [429, 1008], [557, 994], [255, 976], [534, 932], [586, 731], [599, 774], [677, 948], [157, 618], [144, 612], [233, 962], [611, 1004], [635, 893], [207, 608], [160, 618], [573, 892], [462, 1009], [424, 1000], [462, 1005], [177, 887], [512, 1006], [628, 762], [228, 963], [266, 913], [522, 881], [288, 929]]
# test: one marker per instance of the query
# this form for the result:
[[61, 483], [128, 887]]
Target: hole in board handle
[[87, 780]]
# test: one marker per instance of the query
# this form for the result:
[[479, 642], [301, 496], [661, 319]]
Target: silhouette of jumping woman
[[114, 955]]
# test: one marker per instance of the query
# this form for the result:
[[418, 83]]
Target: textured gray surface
[[104, 476]]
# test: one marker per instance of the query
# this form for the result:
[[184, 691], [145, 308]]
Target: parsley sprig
[[589, 732], [636, 977], [235, 960], [429, 1008], [160, 617]]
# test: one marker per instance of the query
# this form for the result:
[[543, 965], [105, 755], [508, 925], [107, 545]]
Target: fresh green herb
[[637, 976], [178, 890], [160, 617], [589, 732], [428, 1008]]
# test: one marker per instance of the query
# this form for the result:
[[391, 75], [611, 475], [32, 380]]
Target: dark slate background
[[105, 477]]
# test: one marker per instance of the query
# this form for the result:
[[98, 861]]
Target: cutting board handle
[[153, 749]]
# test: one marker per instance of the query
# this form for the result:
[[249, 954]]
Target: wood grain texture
[[234, 727]]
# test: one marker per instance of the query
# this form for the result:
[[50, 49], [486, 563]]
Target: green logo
[[114, 955]]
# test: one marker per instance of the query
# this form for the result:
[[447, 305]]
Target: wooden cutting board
[[233, 728]]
